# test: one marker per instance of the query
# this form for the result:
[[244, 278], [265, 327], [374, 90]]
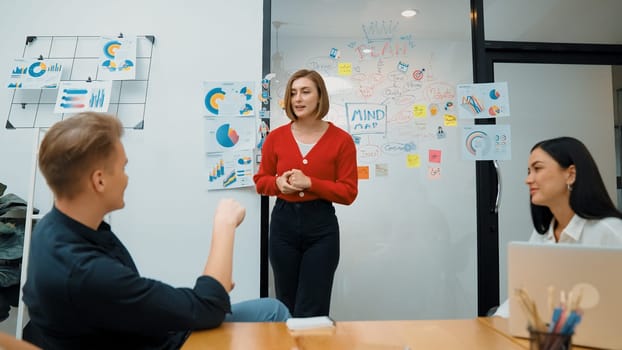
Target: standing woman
[[569, 202], [309, 164]]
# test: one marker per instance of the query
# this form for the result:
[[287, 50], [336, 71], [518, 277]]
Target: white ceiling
[[571, 21]]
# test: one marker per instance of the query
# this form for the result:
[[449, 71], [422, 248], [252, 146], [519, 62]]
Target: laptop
[[596, 271]]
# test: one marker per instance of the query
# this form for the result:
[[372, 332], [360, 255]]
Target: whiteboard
[[408, 242]]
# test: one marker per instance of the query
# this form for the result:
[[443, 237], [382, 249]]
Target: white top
[[304, 147], [598, 232]]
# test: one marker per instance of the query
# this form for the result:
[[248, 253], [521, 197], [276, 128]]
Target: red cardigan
[[331, 165]]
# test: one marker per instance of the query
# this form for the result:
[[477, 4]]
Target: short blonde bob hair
[[323, 103]]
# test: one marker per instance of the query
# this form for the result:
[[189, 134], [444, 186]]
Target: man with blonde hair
[[83, 289]]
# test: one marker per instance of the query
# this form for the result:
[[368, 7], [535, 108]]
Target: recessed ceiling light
[[409, 13]]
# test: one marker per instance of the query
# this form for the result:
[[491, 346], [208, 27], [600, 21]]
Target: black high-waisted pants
[[304, 253]]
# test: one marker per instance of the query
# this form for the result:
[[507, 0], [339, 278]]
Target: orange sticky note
[[363, 172], [433, 109]]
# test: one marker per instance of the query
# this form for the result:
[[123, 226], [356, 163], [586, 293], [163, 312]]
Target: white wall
[[167, 221]]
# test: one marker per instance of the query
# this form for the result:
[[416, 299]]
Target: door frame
[[485, 54]]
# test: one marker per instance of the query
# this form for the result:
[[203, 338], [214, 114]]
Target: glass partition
[[408, 243]]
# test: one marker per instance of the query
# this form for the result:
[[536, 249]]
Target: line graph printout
[[79, 96], [35, 74]]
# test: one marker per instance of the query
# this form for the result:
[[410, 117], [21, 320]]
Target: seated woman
[[569, 202]]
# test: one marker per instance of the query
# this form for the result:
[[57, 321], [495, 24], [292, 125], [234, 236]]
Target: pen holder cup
[[549, 341]]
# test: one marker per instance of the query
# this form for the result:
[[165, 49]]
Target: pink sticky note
[[434, 156]]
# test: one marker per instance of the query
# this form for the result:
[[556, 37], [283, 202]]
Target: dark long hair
[[589, 198]]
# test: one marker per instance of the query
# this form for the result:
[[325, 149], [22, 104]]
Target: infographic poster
[[117, 59], [486, 142], [233, 99], [230, 170], [489, 100], [229, 134], [82, 96], [35, 74]]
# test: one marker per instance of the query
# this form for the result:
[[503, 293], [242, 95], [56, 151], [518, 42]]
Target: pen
[[555, 319]]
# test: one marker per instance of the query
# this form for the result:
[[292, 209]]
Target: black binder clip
[[40, 58], [120, 36], [88, 80], [23, 105]]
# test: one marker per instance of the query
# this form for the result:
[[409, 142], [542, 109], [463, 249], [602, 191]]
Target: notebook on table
[[595, 272]]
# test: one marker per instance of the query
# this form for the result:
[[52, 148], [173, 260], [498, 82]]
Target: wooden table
[[357, 335]]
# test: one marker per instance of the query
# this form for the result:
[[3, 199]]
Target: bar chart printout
[[78, 96]]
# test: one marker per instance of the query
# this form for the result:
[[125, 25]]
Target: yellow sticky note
[[413, 161], [345, 68], [420, 111], [450, 120]]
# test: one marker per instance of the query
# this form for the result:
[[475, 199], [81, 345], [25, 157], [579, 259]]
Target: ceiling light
[[409, 13]]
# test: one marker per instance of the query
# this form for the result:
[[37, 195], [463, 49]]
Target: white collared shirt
[[598, 232]]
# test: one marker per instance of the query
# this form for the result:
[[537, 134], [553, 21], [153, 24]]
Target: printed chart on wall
[[230, 133], [73, 74], [225, 134], [486, 142], [229, 98], [35, 74], [81, 96], [488, 100], [118, 59], [230, 170]]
